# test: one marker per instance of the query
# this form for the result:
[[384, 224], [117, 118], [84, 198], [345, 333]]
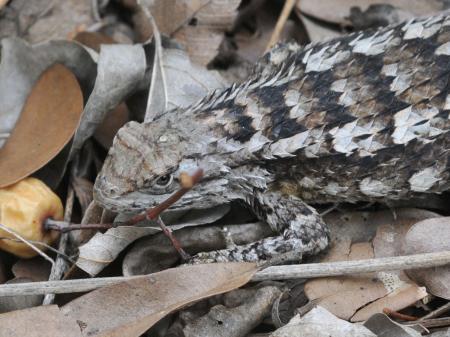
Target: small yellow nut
[[24, 207]]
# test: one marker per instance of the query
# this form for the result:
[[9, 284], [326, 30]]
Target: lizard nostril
[[112, 191]]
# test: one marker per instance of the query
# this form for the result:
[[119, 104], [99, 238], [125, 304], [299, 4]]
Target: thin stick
[[60, 265], [43, 244], [158, 63], [438, 312], [287, 8], [312, 270], [399, 315], [27, 242], [151, 214], [433, 323], [175, 243]]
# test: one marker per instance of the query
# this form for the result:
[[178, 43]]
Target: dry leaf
[[236, 321], [44, 20], [382, 325], [198, 25], [185, 83], [170, 15], [432, 235], [324, 20], [362, 226], [106, 131], [35, 269], [21, 66], [93, 214], [41, 321], [156, 253], [316, 31], [18, 302], [103, 248], [339, 11], [83, 189], [120, 69], [321, 323], [357, 297], [130, 308], [254, 27], [47, 123], [344, 295], [397, 300], [93, 39]]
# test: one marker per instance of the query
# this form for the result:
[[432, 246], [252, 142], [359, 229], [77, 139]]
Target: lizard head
[[144, 164]]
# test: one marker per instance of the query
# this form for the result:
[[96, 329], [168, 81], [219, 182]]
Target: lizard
[[362, 117]]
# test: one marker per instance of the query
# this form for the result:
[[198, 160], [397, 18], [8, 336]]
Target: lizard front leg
[[301, 231]]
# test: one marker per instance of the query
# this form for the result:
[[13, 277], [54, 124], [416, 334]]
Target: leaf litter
[[111, 79], [41, 133]]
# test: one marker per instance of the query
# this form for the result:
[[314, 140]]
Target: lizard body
[[364, 117]]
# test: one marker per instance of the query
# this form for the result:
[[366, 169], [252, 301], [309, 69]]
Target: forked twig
[[150, 214], [153, 214], [27, 242]]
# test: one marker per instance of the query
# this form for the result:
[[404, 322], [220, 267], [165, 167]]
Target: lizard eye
[[164, 180]]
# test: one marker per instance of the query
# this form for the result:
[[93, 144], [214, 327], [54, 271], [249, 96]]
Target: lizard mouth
[[130, 202], [109, 197]]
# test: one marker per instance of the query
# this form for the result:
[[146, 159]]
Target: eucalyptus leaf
[[120, 69], [184, 82], [21, 65]]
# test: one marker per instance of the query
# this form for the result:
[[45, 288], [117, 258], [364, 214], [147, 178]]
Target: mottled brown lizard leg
[[301, 230]]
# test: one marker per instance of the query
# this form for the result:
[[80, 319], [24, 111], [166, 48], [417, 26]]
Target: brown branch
[[398, 315], [176, 244], [150, 214]]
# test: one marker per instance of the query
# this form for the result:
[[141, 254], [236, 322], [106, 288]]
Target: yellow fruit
[[24, 207]]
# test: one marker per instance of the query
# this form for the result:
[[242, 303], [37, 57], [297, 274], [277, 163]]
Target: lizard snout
[[104, 189]]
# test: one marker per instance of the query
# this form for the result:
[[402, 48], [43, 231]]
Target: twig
[[60, 265], [175, 243], [438, 312], [94, 11], [287, 8], [398, 315], [353, 267], [27, 242], [158, 68], [65, 227], [312, 270], [433, 323], [43, 244], [186, 182], [150, 214]]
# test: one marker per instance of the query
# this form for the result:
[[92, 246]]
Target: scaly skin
[[364, 117]]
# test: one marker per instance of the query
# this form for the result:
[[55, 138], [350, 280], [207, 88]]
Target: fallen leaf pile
[[72, 73]]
